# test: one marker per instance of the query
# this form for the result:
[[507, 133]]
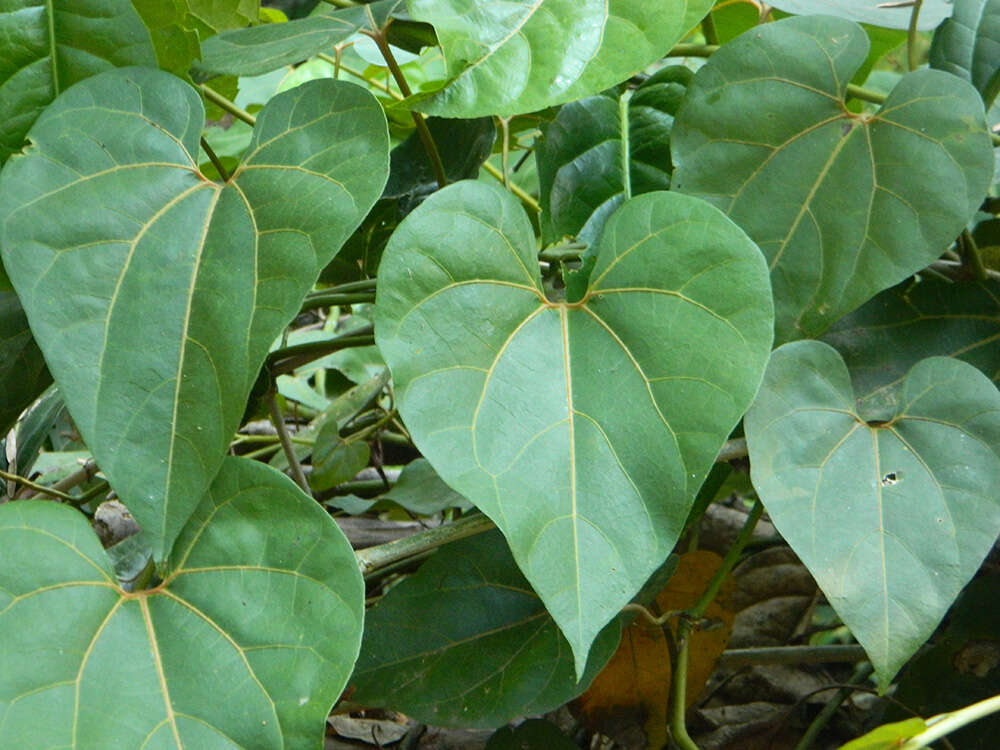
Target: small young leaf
[[155, 293], [466, 642], [893, 511], [583, 430], [246, 643], [842, 205]]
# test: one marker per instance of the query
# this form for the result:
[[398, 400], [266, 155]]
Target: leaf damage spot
[[890, 479]]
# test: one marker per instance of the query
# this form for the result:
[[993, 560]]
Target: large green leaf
[[888, 15], [508, 394], [513, 56], [246, 643], [891, 512], [155, 293], [502, 657], [23, 374], [968, 45], [46, 47], [595, 145], [843, 205], [884, 338]]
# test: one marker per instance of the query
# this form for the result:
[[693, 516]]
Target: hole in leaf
[[890, 479]]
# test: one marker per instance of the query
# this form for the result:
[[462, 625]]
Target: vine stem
[[943, 724], [286, 445], [285, 360], [40, 488], [418, 119], [972, 261], [223, 174], [912, 57], [224, 104], [374, 558], [678, 680], [831, 706]]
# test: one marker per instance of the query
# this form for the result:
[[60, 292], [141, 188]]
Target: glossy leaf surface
[[508, 58], [594, 145], [873, 12], [46, 47], [247, 642], [466, 642], [23, 374], [842, 205], [891, 513], [968, 45], [107, 219], [885, 337], [508, 394]]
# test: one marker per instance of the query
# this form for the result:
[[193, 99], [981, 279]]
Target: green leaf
[[466, 642], [155, 293], [336, 460], [888, 736], [419, 490], [583, 160], [968, 45], [884, 338], [932, 12], [507, 393], [510, 57], [210, 18], [23, 374], [891, 513], [45, 49], [35, 428], [175, 43], [246, 643], [842, 205], [261, 49]]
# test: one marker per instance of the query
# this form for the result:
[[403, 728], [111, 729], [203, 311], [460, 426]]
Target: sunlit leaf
[[246, 643], [842, 205], [892, 511], [509, 57], [155, 293], [875, 12], [503, 656], [509, 394]]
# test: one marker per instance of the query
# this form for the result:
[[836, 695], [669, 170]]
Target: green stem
[[223, 174], [693, 50], [374, 558], [250, 439], [358, 74], [626, 157], [865, 95], [286, 444], [708, 29], [37, 487], [93, 494], [912, 57], [336, 300], [418, 119], [223, 103], [678, 680], [290, 358], [972, 261], [525, 197], [341, 3], [565, 252], [943, 724], [828, 710], [505, 150]]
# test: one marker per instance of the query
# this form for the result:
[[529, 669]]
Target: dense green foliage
[[529, 277]]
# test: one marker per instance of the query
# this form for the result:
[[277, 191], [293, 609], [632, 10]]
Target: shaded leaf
[[634, 687], [891, 512], [874, 12], [46, 47], [968, 45], [336, 460], [466, 642], [263, 594], [35, 428], [533, 734], [842, 205], [884, 338], [582, 154], [157, 397], [419, 490], [509, 58], [23, 374], [506, 392]]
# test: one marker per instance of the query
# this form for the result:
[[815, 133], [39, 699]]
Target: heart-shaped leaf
[[582, 429], [23, 374], [154, 293], [843, 205], [891, 513], [597, 145], [885, 337], [246, 643], [514, 57], [968, 45], [502, 658]]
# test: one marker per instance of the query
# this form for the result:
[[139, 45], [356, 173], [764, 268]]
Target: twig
[[223, 103], [40, 488], [743, 657], [286, 444], [223, 174], [374, 558]]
